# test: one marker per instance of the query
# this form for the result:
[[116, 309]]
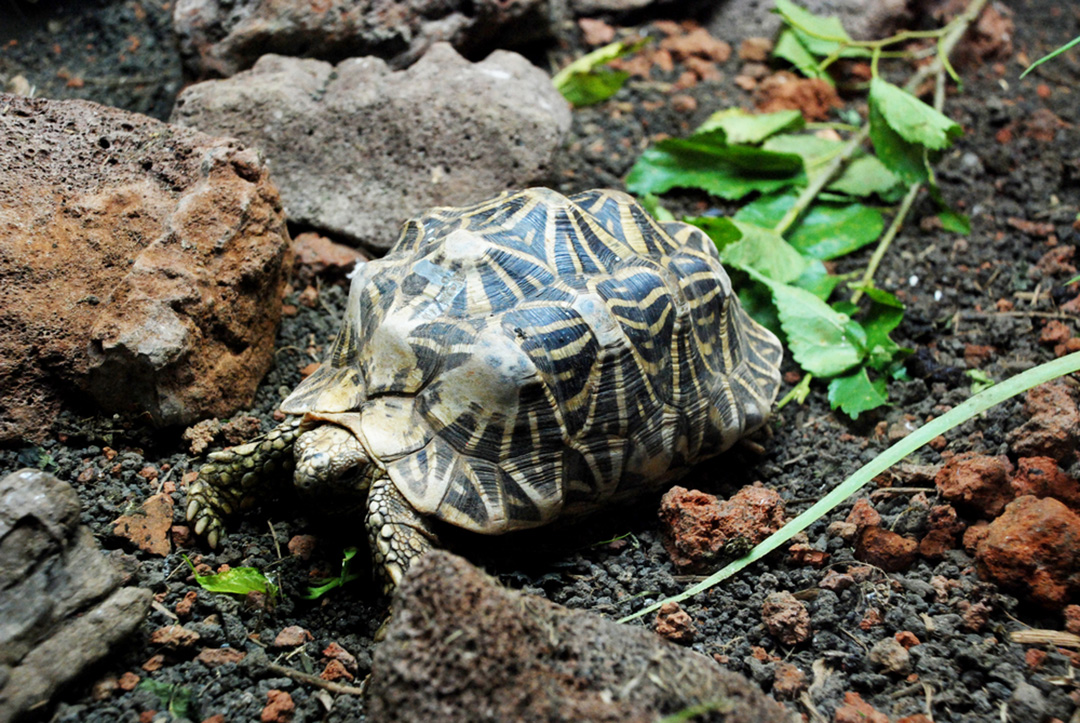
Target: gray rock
[[139, 262], [892, 657], [61, 607], [460, 647], [734, 20], [223, 37], [357, 149]]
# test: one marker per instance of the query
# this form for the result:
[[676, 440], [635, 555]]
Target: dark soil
[[1010, 164]]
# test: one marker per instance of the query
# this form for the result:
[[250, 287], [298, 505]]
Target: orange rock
[[813, 97], [183, 608], [1041, 477], [886, 549], [944, 526], [755, 49], [1053, 424], [213, 657], [907, 639], [302, 546], [675, 624], [698, 530], [174, 637], [596, 32], [335, 670], [863, 515], [279, 707], [789, 682], [128, 681], [1034, 548], [857, 710], [977, 481], [786, 618], [697, 43], [1072, 619], [149, 528], [291, 637]]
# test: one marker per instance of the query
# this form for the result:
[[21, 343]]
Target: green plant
[[176, 699], [954, 417], [1071, 44], [327, 584], [236, 581], [816, 203], [588, 80]]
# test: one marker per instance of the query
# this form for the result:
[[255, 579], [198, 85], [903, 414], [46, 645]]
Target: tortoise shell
[[535, 356]]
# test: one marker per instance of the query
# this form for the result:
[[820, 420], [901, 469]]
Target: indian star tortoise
[[523, 359]]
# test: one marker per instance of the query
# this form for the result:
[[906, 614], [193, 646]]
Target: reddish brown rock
[[863, 515], [302, 546], [201, 435], [1072, 619], [484, 647], [789, 682], [675, 624], [318, 256], [335, 670], [755, 49], [907, 638], [857, 710], [279, 707], [213, 657], [174, 637], [333, 651], [836, 581], [149, 528], [1053, 424], [1034, 548], [886, 549], [158, 258], [698, 531], [944, 527], [1041, 477], [786, 618], [183, 607], [291, 637], [813, 97], [979, 482]]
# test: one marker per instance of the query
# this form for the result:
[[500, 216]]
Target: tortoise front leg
[[228, 480], [398, 534]]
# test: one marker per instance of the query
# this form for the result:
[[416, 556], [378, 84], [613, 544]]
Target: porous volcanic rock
[[223, 37], [460, 647], [1034, 548], [61, 604], [358, 148], [140, 262]]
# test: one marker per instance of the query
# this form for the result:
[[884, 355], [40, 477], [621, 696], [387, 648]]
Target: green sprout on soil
[[177, 700], [956, 416], [236, 581], [1067, 46], [815, 203], [325, 585], [588, 80]]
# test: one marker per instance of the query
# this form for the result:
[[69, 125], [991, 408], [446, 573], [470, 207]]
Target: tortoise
[[523, 359]]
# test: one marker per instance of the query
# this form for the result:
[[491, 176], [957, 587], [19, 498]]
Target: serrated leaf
[[864, 176], [237, 581], [906, 160], [742, 127], [789, 48], [586, 81], [854, 393], [823, 342], [707, 162], [825, 231], [828, 32], [913, 120], [750, 247], [815, 151]]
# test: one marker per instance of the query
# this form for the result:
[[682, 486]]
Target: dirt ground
[[1016, 171]]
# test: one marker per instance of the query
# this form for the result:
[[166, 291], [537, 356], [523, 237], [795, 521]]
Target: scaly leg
[[229, 479], [398, 533]]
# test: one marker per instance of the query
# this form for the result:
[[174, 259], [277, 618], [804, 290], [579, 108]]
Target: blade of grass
[[954, 417]]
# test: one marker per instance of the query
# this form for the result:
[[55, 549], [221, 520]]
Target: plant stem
[[810, 192], [883, 244]]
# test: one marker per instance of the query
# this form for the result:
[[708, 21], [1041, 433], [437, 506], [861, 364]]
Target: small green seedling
[[588, 80], [236, 581], [177, 700], [327, 584]]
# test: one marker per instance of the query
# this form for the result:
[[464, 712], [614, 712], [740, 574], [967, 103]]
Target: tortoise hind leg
[[228, 480], [398, 534]]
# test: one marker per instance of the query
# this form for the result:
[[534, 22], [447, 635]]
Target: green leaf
[[906, 160], [915, 121], [789, 48], [817, 280], [755, 248], [821, 36], [980, 380], [955, 221], [815, 151], [585, 81], [823, 342], [237, 581], [864, 176], [854, 393], [707, 162], [327, 584], [742, 127], [825, 231], [177, 700]]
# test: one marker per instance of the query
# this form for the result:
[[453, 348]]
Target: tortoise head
[[331, 463]]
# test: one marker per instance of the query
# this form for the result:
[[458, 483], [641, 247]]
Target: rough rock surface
[[459, 647], [140, 262], [863, 19], [357, 148], [1034, 548], [61, 604], [223, 37]]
